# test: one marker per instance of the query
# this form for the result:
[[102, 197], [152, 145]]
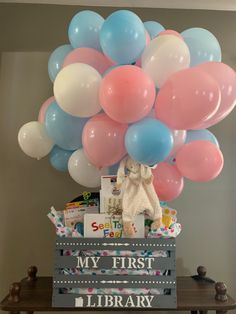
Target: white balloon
[[83, 172], [76, 89], [34, 140], [165, 55]]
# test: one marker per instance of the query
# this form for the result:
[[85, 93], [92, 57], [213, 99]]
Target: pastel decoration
[[84, 30], [65, 130], [164, 56], [203, 45], [34, 140], [226, 79], [88, 56], [103, 140], [179, 137], [59, 158], [127, 100], [148, 38], [76, 90], [148, 141], [187, 99], [170, 32], [83, 172], [138, 63], [123, 37], [114, 168], [154, 28], [44, 107], [168, 182], [56, 60], [201, 135], [200, 161]]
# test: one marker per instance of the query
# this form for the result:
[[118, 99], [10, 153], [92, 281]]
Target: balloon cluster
[[127, 87]]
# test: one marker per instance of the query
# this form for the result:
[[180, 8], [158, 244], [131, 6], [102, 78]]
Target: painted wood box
[[67, 287]]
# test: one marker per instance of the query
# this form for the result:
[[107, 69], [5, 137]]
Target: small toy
[[139, 194], [168, 216]]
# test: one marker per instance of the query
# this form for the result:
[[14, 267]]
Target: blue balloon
[[59, 158], [113, 169], [123, 37], [153, 28], [84, 30], [203, 45], [149, 141], [64, 129], [201, 135], [56, 60]]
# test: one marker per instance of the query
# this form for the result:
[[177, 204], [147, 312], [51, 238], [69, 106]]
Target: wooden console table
[[196, 293]]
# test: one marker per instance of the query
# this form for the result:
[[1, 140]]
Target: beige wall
[[28, 187]]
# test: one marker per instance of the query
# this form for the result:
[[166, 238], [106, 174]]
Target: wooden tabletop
[[36, 295]]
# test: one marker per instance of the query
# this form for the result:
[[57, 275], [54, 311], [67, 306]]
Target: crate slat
[[114, 281], [115, 244], [112, 301], [114, 262]]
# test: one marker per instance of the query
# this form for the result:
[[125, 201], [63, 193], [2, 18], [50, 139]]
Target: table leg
[[221, 312], [203, 312], [193, 312], [30, 312]]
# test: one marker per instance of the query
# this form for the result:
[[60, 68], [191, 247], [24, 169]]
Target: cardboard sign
[[107, 226]]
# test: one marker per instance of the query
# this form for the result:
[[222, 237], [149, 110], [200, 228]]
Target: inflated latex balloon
[[114, 169], [168, 182], [201, 135], [59, 158], [84, 29], [148, 141], [64, 129], [83, 172], [171, 32], [123, 37], [44, 108], [179, 137], [200, 161], [188, 99], [226, 78], [56, 60], [127, 94], [34, 140], [76, 90], [202, 44], [88, 56], [103, 140], [164, 56], [154, 28]]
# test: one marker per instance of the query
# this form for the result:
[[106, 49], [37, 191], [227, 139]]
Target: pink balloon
[[103, 140], [88, 56], [179, 137], [226, 78], [44, 108], [170, 32], [148, 39], [168, 182], [138, 63], [187, 99], [127, 94], [200, 161]]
